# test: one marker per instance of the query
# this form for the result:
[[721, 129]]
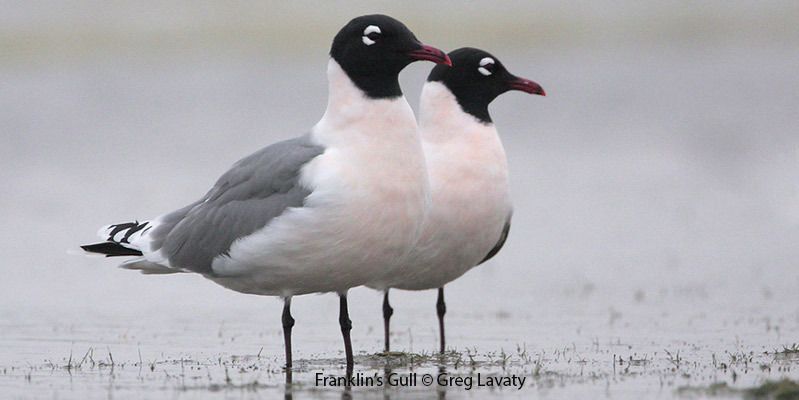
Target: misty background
[[661, 172]]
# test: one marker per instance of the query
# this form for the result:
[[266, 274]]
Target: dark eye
[[371, 35], [487, 66]]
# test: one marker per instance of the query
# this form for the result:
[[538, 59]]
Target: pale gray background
[[659, 177]]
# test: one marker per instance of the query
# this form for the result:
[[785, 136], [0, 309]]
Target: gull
[[317, 213], [470, 213]]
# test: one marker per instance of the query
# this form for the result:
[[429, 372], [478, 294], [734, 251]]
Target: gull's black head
[[476, 78], [373, 49]]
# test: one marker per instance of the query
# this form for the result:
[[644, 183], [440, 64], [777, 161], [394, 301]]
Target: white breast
[[369, 196], [469, 192]]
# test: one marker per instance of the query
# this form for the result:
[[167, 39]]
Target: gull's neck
[[442, 119], [351, 112]]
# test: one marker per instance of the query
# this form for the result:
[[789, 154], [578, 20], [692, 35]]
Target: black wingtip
[[110, 249]]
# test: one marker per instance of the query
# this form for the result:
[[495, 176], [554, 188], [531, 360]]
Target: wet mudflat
[[585, 349]]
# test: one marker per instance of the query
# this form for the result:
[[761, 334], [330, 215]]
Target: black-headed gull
[[318, 213], [470, 211]]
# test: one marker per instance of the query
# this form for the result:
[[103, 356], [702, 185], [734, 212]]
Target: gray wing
[[502, 238], [255, 190]]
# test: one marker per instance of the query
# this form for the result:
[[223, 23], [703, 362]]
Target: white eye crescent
[[487, 61], [369, 30]]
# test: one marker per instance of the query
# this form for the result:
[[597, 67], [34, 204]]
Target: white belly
[[470, 206], [369, 197], [455, 239], [337, 241]]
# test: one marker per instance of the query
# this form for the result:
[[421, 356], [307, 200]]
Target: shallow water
[[650, 348], [656, 221]]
